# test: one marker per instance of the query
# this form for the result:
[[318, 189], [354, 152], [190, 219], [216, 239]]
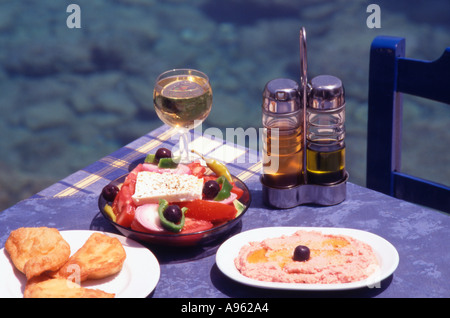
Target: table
[[420, 235]]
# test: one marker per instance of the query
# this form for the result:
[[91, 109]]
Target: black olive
[[162, 153], [173, 213], [109, 192], [301, 253], [210, 189]]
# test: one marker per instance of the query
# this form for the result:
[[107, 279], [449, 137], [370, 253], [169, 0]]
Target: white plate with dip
[[385, 252], [137, 279]]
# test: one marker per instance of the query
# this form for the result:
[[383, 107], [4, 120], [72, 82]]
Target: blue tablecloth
[[420, 235]]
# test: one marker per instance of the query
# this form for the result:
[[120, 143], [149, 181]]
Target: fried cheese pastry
[[35, 250], [99, 257], [45, 287]]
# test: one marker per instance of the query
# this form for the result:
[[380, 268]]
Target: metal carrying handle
[[304, 84], [303, 62]]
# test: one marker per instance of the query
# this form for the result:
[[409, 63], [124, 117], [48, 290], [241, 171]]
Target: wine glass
[[183, 99]]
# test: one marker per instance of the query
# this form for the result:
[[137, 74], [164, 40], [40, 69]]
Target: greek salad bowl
[[194, 231]]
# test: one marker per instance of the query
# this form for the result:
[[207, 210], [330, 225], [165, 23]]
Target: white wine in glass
[[183, 99]]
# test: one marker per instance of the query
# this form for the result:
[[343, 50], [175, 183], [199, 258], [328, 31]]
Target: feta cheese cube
[[152, 186]]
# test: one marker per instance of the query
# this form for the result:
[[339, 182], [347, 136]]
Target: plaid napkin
[[242, 162]]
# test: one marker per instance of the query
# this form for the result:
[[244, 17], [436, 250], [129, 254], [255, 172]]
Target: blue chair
[[390, 75]]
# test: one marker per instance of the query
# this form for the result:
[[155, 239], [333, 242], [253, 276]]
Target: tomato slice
[[209, 210], [123, 205], [208, 177], [192, 225], [197, 169], [238, 191]]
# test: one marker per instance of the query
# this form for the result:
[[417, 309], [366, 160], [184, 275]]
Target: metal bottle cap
[[281, 96], [326, 93]]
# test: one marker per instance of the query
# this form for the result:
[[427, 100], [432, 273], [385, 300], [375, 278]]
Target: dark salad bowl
[[183, 239]]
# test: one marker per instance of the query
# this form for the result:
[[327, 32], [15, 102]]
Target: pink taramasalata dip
[[333, 259]]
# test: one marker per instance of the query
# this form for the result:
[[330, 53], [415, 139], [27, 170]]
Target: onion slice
[[146, 218], [228, 200]]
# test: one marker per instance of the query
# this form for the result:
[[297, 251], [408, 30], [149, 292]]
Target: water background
[[71, 96]]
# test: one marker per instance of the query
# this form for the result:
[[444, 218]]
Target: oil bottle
[[283, 150], [325, 131]]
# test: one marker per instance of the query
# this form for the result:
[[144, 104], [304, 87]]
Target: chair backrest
[[390, 75]]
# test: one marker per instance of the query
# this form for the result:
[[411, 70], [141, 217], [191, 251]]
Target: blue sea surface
[[69, 96]]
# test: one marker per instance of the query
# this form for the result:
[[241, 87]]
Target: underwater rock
[[46, 57], [47, 115], [24, 185], [111, 101], [141, 92], [227, 112]]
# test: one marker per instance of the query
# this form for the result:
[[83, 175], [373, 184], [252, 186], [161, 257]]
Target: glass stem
[[184, 146]]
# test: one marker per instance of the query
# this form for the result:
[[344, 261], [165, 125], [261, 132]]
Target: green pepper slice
[[167, 163], [225, 192], [150, 158], [164, 163], [168, 225]]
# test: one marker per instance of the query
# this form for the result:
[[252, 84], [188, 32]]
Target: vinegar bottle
[[325, 131], [282, 117]]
